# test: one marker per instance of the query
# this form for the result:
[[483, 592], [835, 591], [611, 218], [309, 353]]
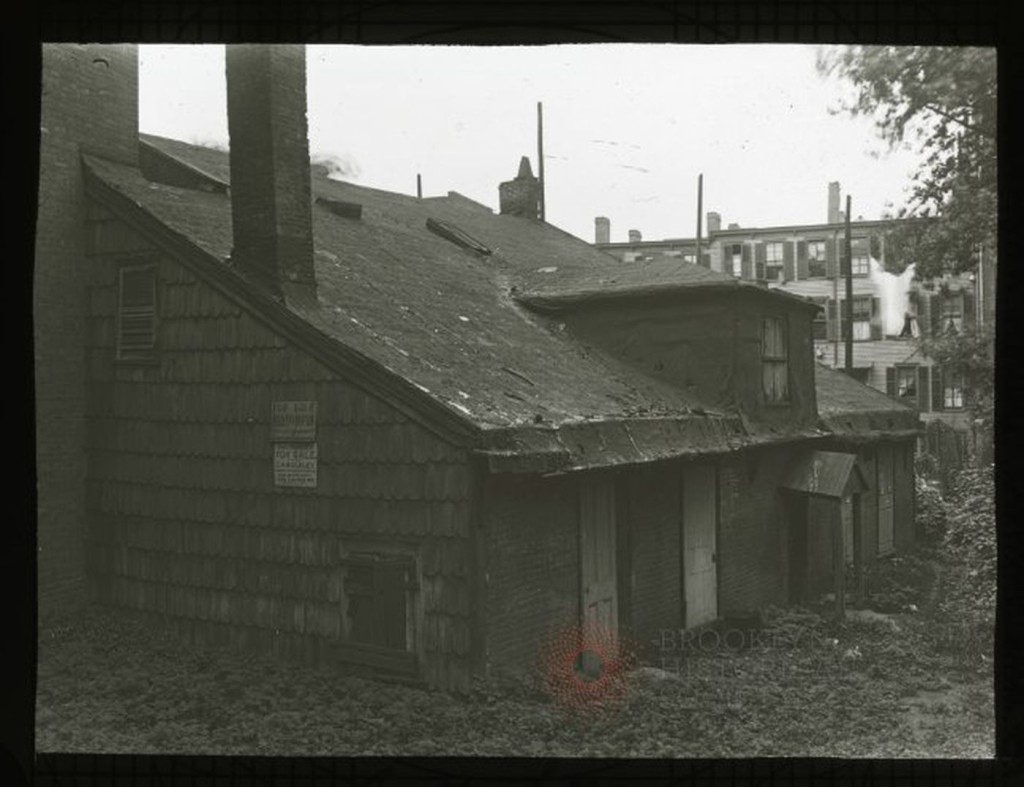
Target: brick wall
[[271, 208], [532, 566], [89, 102]]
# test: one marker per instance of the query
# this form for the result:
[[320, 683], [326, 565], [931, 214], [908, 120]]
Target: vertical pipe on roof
[[848, 361], [540, 155], [700, 213]]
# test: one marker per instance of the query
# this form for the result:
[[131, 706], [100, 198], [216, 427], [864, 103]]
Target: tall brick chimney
[[89, 104], [602, 230], [521, 195], [635, 236], [271, 205], [714, 222], [833, 202]]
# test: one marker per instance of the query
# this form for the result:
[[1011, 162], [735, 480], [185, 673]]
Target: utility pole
[[848, 365], [540, 154], [700, 212], [419, 186]]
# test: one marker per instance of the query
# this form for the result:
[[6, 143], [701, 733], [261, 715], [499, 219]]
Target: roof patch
[[347, 210], [450, 232]]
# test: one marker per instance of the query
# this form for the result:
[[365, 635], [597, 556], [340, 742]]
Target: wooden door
[[597, 557], [700, 577], [796, 529], [885, 500]]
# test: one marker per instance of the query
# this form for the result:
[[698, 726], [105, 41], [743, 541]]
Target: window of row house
[[734, 259], [817, 266], [948, 388], [952, 314], [906, 384], [861, 265], [952, 391], [774, 361], [136, 313], [773, 260], [689, 258], [861, 319], [378, 599]]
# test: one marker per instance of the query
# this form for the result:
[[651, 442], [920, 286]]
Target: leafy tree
[[943, 101]]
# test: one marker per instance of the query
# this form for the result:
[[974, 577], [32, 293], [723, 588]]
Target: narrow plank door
[[597, 557], [700, 577], [885, 501]]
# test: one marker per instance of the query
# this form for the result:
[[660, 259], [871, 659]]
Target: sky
[[627, 127]]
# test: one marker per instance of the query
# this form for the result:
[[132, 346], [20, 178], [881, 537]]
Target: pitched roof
[[432, 311]]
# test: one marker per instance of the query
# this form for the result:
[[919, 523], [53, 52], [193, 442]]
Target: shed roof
[[825, 474], [432, 316], [850, 409]]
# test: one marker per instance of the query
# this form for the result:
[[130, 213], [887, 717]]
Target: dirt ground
[[911, 681]]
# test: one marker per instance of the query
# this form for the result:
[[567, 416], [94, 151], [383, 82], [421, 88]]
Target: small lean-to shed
[[392, 432]]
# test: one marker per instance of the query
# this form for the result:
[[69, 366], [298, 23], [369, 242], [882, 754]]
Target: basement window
[[136, 313], [379, 589], [774, 361]]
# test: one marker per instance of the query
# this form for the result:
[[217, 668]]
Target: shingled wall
[[185, 519]]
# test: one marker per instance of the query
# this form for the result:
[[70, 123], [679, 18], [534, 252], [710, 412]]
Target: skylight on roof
[[452, 233]]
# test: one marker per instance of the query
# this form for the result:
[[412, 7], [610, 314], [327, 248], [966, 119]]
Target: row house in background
[[890, 312]]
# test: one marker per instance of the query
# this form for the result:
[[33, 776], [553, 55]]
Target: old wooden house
[[419, 436]]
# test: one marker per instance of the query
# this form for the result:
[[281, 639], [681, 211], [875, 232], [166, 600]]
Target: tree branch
[[975, 129]]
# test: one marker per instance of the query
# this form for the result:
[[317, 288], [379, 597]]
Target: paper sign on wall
[[293, 422], [295, 464]]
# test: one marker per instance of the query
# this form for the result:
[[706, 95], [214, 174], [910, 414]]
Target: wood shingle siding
[[187, 522]]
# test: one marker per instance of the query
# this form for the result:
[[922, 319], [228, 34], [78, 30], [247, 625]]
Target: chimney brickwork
[[521, 196], [714, 222], [833, 202], [271, 200], [89, 105], [635, 236], [602, 230]]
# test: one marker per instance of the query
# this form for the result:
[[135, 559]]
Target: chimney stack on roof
[[602, 230], [635, 236], [521, 195], [833, 202], [714, 222], [271, 195]]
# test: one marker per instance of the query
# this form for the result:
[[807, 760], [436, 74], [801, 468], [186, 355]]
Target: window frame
[[814, 260], [774, 358], [734, 260], [912, 370], [137, 352], [861, 317], [379, 559], [773, 264], [952, 381]]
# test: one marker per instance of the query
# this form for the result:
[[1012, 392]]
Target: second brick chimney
[[602, 230], [521, 196], [714, 222], [271, 208], [833, 202]]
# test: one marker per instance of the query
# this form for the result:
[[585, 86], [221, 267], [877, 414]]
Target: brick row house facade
[[415, 435]]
